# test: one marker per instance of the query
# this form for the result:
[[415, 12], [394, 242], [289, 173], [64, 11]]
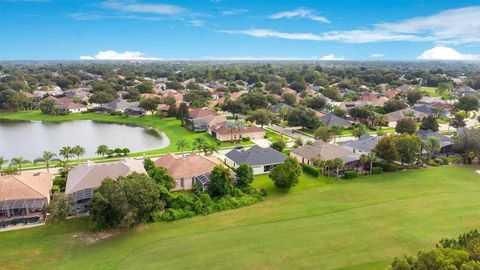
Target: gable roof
[[26, 186], [90, 175], [256, 156], [444, 140], [331, 119], [199, 113], [397, 115], [188, 166], [365, 143], [278, 107], [224, 130], [325, 151]]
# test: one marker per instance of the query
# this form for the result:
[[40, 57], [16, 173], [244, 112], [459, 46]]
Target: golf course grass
[[320, 224]]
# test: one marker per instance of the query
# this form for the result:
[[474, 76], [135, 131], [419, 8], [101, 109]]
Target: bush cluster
[[310, 170]]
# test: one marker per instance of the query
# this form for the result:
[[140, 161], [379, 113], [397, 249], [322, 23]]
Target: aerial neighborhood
[[231, 135]]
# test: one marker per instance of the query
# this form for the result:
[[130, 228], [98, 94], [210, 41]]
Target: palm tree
[[181, 145], [2, 161], [199, 144], [46, 157], [211, 148], [363, 160], [102, 150], [371, 157], [18, 161], [319, 163], [338, 163], [66, 153], [336, 131], [328, 166], [78, 151], [434, 145]]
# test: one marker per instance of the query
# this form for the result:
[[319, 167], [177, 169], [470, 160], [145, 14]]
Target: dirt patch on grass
[[477, 171], [92, 238]]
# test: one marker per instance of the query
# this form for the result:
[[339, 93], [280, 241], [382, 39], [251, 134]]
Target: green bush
[[431, 162], [263, 192], [389, 167], [310, 170], [350, 174], [116, 113], [245, 139], [444, 160], [377, 170], [172, 215]]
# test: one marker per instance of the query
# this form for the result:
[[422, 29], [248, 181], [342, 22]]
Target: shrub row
[[350, 174], [310, 170]]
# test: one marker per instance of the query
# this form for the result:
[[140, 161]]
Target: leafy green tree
[[409, 147], [145, 87], [11, 101], [406, 126], [101, 98], [46, 106], [290, 99], [285, 175], [413, 96], [262, 117], [467, 103], [199, 144], [60, 207], [394, 105], [245, 175], [46, 157], [332, 93], [279, 145], [358, 130], [148, 164], [457, 121], [234, 107], [338, 164], [162, 177], [429, 123], [386, 149], [467, 142], [303, 117], [221, 182], [182, 112], [323, 133], [149, 104]]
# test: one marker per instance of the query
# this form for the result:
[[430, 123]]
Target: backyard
[[321, 223]]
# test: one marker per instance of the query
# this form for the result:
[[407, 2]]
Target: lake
[[29, 139]]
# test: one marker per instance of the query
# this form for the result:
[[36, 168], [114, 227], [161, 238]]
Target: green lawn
[[170, 126], [429, 91], [321, 224]]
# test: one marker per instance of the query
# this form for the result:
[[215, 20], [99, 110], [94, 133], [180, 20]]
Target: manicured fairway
[[321, 224]]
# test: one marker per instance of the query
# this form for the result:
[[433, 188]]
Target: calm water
[[30, 139]]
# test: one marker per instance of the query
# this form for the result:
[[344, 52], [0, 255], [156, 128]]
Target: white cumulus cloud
[[446, 53], [332, 57], [300, 13], [136, 7], [377, 55], [114, 55]]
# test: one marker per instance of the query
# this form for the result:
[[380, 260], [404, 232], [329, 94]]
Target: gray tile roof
[[256, 156], [330, 119], [325, 151], [365, 143]]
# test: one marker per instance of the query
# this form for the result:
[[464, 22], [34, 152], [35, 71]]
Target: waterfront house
[[83, 179], [24, 197], [186, 169]]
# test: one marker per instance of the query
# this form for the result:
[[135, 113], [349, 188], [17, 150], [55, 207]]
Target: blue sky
[[222, 29]]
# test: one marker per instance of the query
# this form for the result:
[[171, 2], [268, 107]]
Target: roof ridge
[[27, 185]]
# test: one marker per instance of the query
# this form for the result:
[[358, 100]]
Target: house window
[[267, 168], [182, 182]]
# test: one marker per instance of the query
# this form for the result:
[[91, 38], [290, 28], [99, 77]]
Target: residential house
[[325, 151], [24, 197], [364, 144], [67, 105], [404, 88], [223, 133], [186, 169], [430, 110], [370, 98], [393, 117], [134, 111], [120, 105], [330, 119], [262, 160], [446, 143], [277, 108], [83, 179], [201, 120], [465, 90]]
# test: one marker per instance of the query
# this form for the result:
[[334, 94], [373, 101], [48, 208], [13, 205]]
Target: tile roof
[[325, 151], [365, 143], [188, 166], [90, 175], [26, 186], [224, 130], [330, 119], [256, 156]]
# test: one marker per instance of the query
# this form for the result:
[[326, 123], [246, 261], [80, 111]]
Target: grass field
[[170, 126], [429, 91], [321, 224]]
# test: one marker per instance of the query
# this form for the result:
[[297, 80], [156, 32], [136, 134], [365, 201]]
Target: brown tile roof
[[188, 166], [199, 113], [224, 130], [25, 186], [397, 115], [325, 151]]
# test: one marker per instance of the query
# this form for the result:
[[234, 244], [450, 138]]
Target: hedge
[[311, 170], [350, 174], [377, 170]]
